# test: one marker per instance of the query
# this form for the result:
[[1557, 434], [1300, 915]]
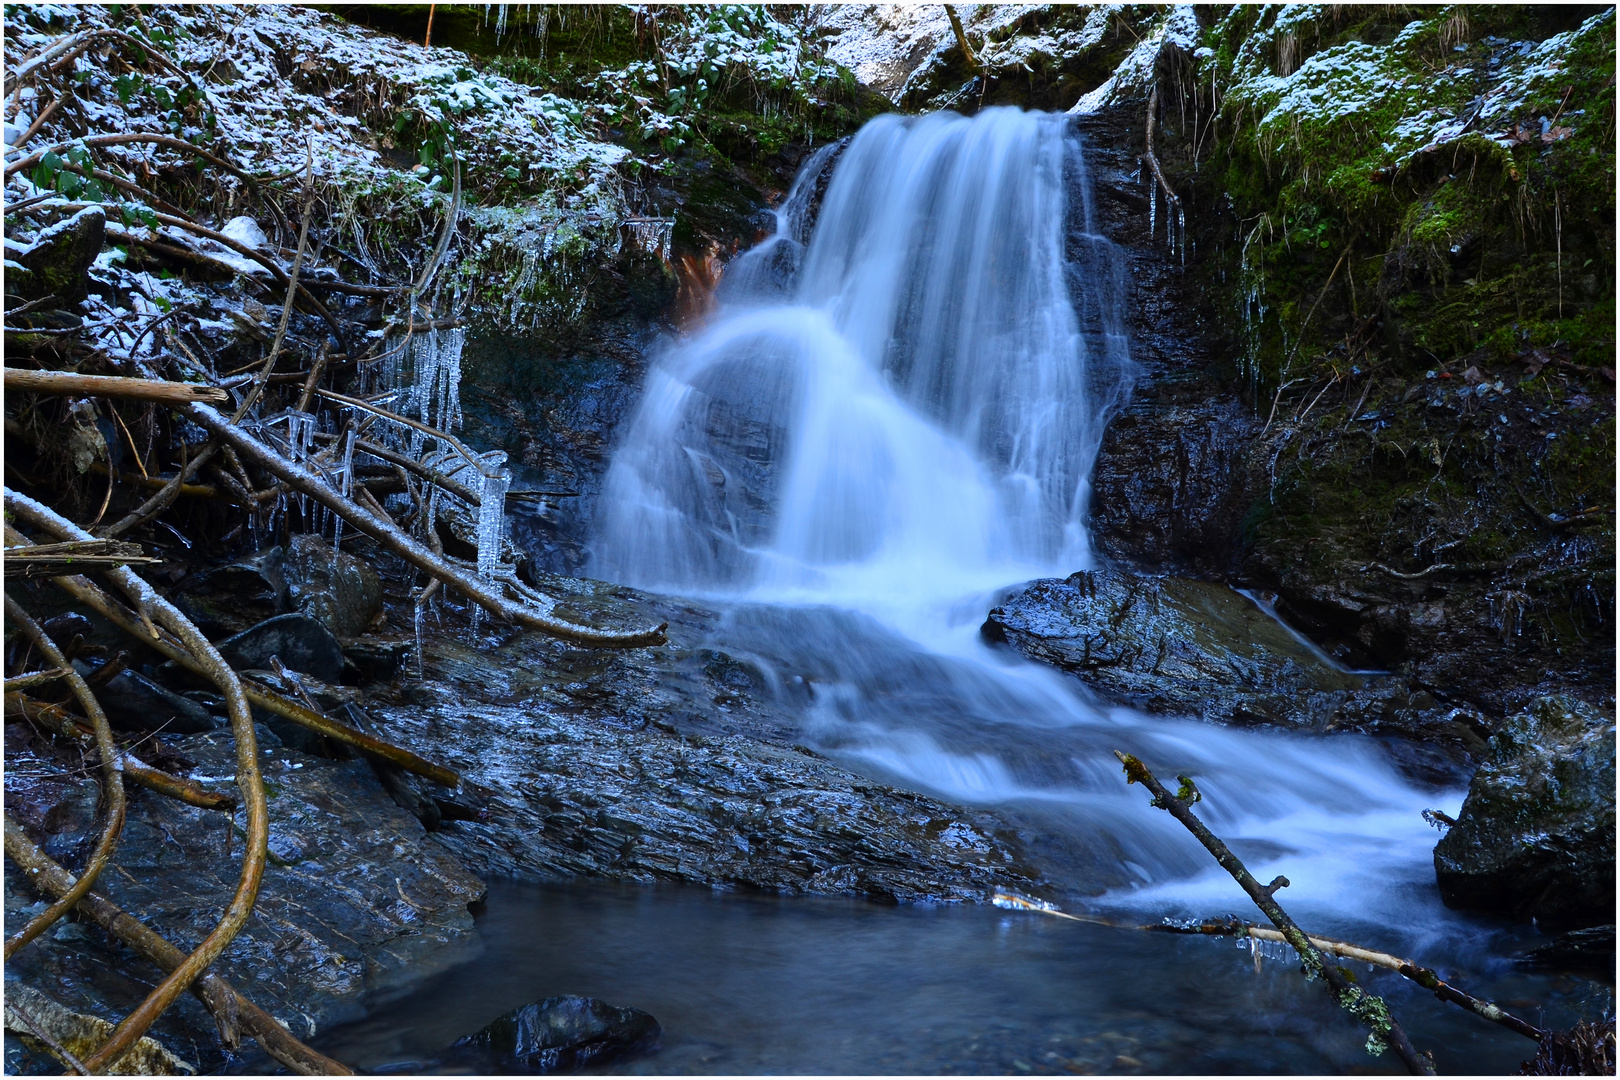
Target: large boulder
[[1171, 645], [1535, 838], [562, 1034]]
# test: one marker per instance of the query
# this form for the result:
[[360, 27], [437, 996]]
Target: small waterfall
[[892, 413], [914, 391]]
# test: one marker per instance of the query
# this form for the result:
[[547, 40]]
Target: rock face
[[1535, 838], [562, 1034]]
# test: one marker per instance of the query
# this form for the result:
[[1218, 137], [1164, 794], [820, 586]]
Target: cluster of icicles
[[425, 387]]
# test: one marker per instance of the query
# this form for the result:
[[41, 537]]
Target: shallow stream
[[757, 984]]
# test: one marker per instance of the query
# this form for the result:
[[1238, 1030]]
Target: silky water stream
[[891, 416]]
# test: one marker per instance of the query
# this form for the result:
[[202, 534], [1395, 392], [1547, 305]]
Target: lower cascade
[[892, 414]]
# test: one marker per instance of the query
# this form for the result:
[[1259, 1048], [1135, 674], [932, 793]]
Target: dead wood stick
[[228, 1006], [88, 594], [50, 559], [1369, 1009], [102, 733], [128, 137], [961, 38], [1171, 198], [472, 459], [248, 781], [1424, 977], [58, 721], [534, 614], [20, 380], [252, 396], [157, 483], [34, 678], [426, 472]]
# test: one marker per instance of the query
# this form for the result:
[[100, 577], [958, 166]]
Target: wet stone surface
[[1196, 648], [356, 896], [670, 764]]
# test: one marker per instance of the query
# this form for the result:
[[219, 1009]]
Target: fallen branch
[[35, 678], [1369, 1009], [39, 560], [248, 780], [58, 721], [537, 615], [19, 380], [426, 472], [230, 1009], [101, 731]]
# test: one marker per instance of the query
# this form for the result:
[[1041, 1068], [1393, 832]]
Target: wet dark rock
[[563, 1034], [64, 628], [337, 589], [300, 641], [135, 703], [57, 263], [356, 897], [1535, 838], [1587, 949], [1169, 645], [230, 598], [334, 587]]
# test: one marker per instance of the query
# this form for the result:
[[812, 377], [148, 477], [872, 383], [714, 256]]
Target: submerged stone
[[1535, 838], [564, 1034]]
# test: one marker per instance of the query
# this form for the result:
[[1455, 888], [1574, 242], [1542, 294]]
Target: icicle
[[1181, 224], [1153, 209], [419, 621], [347, 487], [491, 522]]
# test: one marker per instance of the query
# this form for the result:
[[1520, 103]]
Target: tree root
[[248, 781]]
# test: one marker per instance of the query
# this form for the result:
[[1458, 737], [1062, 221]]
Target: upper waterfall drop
[[907, 383]]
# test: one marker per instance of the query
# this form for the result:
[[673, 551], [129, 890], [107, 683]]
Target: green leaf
[[51, 162]]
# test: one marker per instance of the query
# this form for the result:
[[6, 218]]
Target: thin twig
[[1367, 1008]]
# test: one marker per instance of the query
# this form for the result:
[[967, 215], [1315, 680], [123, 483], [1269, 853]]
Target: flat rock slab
[[669, 764], [1167, 644]]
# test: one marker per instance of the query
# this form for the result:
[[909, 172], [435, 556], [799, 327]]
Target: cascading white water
[[894, 414]]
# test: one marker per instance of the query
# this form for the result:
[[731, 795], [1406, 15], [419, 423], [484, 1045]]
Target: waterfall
[[914, 391], [891, 414]]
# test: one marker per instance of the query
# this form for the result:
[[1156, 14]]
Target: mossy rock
[[1535, 838]]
